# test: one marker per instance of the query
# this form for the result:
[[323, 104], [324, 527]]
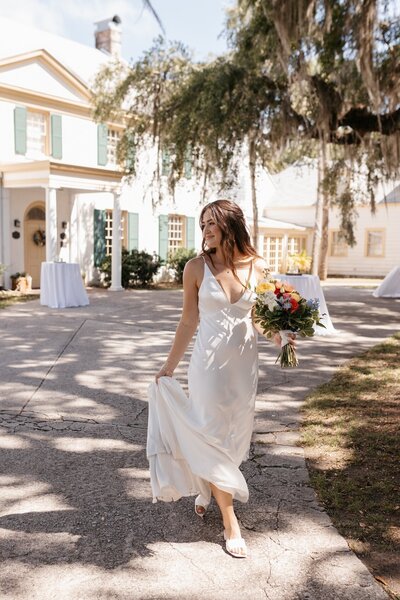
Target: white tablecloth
[[390, 286], [309, 286], [61, 285]]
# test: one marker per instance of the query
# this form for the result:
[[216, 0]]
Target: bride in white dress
[[197, 442]]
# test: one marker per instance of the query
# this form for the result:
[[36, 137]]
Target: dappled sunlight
[[86, 444], [131, 476], [36, 502], [95, 380], [20, 495], [13, 442], [80, 522]]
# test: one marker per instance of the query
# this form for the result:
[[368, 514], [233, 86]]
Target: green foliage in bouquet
[[138, 268], [301, 321], [279, 308]]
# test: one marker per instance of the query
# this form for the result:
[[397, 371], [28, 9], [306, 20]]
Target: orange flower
[[288, 287], [283, 286], [295, 305]]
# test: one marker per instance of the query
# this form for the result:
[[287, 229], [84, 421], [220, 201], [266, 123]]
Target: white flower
[[270, 300]]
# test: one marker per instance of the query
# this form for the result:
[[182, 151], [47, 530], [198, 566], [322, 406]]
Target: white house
[[292, 197], [62, 195]]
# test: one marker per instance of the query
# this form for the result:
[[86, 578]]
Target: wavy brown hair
[[230, 219]]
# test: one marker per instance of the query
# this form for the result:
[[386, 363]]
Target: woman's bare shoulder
[[194, 267], [195, 264]]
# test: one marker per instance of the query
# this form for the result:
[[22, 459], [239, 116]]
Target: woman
[[196, 443]]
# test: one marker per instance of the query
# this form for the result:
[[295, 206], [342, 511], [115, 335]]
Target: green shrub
[[178, 259], [138, 268]]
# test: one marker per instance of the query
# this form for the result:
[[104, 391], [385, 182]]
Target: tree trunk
[[316, 245], [252, 167], [323, 255]]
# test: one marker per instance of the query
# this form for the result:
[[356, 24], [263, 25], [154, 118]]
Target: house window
[[375, 243], [36, 214], [108, 230], [338, 244], [273, 252], [176, 232], [36, 133], [296, 244], [113, 137]]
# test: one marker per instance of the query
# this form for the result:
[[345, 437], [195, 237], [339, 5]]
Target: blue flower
[[313, 303]]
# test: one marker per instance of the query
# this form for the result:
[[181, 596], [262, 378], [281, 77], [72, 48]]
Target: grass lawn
[[9, 298], [351, 437]]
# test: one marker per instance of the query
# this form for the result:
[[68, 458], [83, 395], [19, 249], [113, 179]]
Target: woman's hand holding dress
[[187, 325], [165, 371]]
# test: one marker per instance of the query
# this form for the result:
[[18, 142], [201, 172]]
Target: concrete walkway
[[76, 520]]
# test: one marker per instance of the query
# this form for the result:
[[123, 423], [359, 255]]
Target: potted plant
[[19, 282]]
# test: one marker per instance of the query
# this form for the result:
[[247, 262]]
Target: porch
[[40, 208]]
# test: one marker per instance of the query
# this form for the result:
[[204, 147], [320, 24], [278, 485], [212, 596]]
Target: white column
[[5, 235], [284, 252], [260, 244], [116, 245], [51, 225], [74, 229]]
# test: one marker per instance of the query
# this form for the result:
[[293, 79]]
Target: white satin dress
[[204, 437]]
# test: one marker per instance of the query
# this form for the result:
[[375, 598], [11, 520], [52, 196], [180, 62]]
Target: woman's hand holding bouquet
[[279, 308]]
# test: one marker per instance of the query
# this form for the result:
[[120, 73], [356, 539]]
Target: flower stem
[[287, 357]]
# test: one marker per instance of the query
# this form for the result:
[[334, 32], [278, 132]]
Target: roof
[[266, 223], [81, 60], [295, 186], [393, 196]]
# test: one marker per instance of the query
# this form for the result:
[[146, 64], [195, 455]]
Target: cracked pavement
[[76, 517]]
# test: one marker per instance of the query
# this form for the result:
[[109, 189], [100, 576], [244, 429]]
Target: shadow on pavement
[[76, 495]]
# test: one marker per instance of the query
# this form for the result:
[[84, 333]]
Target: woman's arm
[[189, 318]]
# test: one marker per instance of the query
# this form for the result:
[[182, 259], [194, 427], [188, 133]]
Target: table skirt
[[61, 285]]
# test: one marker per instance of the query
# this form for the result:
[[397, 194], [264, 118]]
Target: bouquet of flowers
[[279, 308]]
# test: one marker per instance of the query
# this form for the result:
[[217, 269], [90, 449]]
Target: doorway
[[35, 241]]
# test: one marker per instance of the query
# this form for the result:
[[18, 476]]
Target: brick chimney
[[108, 35]]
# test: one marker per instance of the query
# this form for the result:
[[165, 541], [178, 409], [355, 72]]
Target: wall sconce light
[[64, 224], [17, 223]]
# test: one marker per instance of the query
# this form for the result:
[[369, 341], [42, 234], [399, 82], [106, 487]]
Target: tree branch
[[363, 121]]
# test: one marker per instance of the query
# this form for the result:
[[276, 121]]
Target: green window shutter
[[99, 237], [163, 236], [101, 144], [187, 165], [190, 225], [20, 129], [165, 162], [56, 136], [133, 231], [130, 152]]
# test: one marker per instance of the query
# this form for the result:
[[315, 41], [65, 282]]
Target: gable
[[40, 72], [393, 196]]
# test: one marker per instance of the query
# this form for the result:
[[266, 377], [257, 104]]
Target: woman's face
[[212, 234]]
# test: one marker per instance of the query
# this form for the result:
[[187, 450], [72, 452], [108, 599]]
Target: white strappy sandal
[[200, 503], [235, 544]]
